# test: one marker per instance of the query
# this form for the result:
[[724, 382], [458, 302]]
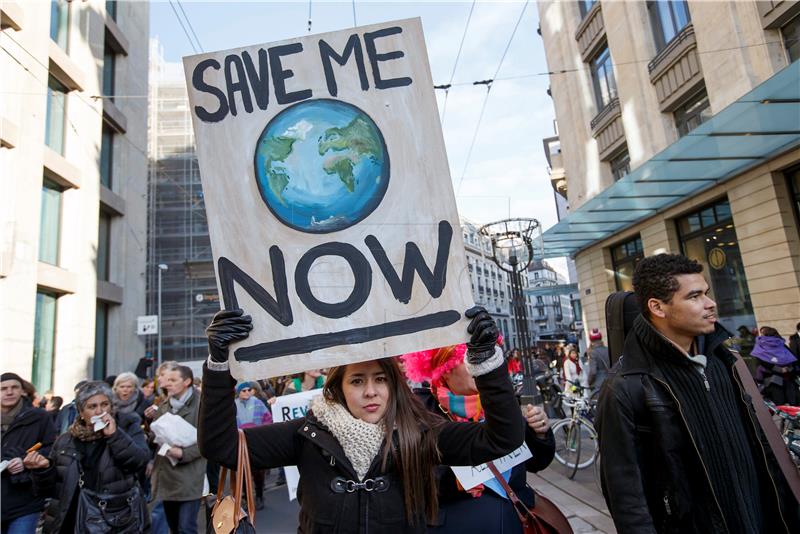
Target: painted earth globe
[[321, 166]]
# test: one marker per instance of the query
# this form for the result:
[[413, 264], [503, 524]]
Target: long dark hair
[[415, 453]]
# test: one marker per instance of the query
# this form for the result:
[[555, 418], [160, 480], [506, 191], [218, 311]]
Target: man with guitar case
[[685, 440]]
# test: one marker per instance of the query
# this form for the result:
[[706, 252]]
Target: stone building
[[679, 131], [552, 310], [73, 132]]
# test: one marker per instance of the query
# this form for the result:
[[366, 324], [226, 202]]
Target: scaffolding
[[177, 225]]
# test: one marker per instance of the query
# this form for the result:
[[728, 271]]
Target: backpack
[[622, 308]]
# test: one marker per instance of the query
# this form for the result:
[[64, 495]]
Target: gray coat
[[598, 366], [184, 481]]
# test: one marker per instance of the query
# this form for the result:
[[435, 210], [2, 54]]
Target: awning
[[756, 128], [551, 291]]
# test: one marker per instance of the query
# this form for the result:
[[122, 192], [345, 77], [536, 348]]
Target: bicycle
[[789, 427], [576, 439]]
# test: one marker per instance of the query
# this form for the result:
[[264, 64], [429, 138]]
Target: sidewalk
[[579, 499]]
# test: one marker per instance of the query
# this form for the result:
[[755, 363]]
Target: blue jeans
[[158, 522], [182, 516], [25, 524]]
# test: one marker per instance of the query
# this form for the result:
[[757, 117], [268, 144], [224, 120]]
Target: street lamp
[[513, 251], [161, 267]]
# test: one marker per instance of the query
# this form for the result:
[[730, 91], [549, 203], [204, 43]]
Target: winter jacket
[[125, 453], [598, 366], [184, 481], [460, 512], [653, 476], [325, 472], [66, 417], [31, 426]]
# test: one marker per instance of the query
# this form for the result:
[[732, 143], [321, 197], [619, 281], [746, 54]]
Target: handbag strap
[[771, 432], [522, 511], [244, 483]]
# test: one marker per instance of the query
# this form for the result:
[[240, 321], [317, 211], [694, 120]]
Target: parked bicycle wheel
[[576, 444]]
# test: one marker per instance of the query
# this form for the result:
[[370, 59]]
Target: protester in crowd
[[53, 407], [352, 477], [250, 412], [453, 395], [91, 473], [778, 368], [559, 355], [599, 363], [794, 341], [573, 373], [680, 448], [180, 486], [148, 390], [69, 412], [127, 396], [514, 362], [159, 391], [305, 381], [23, 427]]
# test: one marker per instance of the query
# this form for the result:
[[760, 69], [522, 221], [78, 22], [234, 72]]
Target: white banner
[[329, 199], [286, 408], [471, 476]]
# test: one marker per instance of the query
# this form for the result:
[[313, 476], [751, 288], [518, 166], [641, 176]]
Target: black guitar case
[[622, 308]]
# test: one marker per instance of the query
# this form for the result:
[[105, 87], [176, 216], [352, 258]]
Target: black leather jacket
[[653, 476]]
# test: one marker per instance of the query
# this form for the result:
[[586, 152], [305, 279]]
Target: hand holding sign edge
[[227, 326]]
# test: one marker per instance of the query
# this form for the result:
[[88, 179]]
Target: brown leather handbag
[[228, 516], [543, 518]]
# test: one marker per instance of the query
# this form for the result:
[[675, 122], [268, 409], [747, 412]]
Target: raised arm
[[268, 445], [503, 429]]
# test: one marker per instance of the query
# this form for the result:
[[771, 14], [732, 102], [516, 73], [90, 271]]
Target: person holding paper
[[91, 472], [178, 474], [452, 394], [367, 449]]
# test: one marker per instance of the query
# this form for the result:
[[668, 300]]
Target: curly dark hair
[[654, 277]]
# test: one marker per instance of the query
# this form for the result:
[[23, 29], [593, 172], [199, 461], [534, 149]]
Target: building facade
[[552, 313], [178, 230], [632, 83], [73, 133], [491, 287]]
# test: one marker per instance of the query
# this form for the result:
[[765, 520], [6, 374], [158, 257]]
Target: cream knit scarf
[[360, 440]]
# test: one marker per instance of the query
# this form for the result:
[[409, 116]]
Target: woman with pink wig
[[449, 391]]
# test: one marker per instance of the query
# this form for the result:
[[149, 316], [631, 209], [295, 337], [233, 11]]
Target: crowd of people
[[681, 450]]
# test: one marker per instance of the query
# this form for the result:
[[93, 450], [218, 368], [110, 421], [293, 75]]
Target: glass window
[[624, 258], [692, 114], [103, 246], [44, 340], [620, 165], [605, 86], [111, 8], [56, 115], [59, 22], [50, 223], [106, 155], [791, 38], [100, 341], [585, 6], [668, 18], [716, 247], [109, 63]]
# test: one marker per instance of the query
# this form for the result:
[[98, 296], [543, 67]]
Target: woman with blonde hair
[[128, 398]]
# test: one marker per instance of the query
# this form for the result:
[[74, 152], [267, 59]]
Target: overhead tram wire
[[309, 16], [191, 27], [185, 31], [488, 84], [355, 22], [455, 65]]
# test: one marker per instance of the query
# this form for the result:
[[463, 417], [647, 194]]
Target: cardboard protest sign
[[286, 408], [471, 476], [330, 207]]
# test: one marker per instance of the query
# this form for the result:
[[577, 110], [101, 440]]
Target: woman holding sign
[[453, 394], [368, 448]]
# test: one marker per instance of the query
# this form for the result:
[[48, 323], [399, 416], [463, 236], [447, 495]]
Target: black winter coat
[[460, 512], [125, 454], [306, 443], [32, 425], [653, 476]]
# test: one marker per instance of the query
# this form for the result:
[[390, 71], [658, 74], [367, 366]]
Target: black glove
[[483, 329], [226, 327]]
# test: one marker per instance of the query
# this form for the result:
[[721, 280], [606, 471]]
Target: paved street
[[580, 499]]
